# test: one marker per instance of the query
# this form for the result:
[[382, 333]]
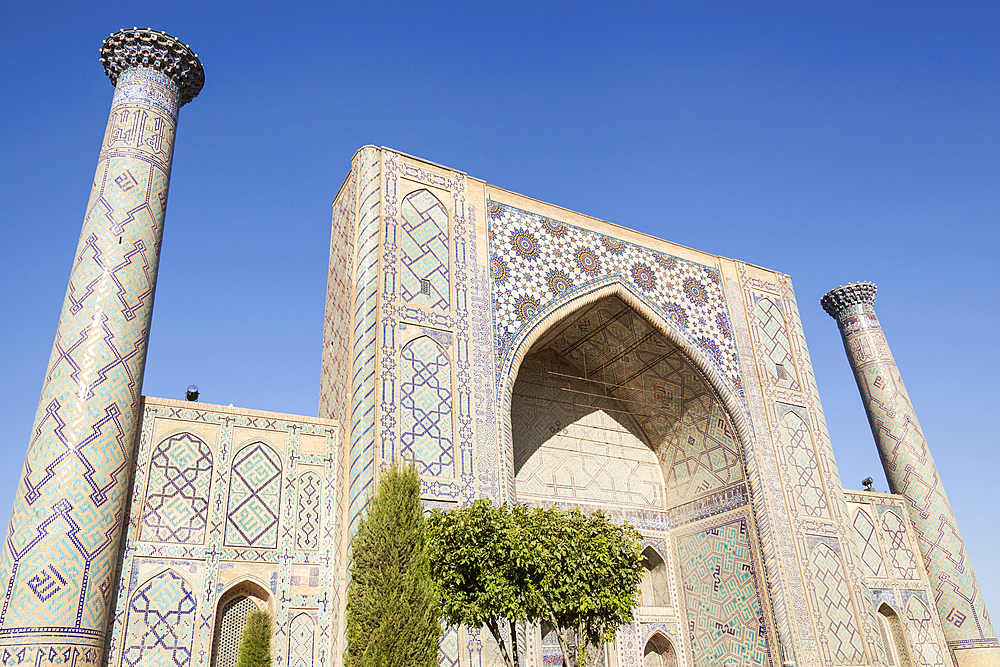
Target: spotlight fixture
[[867, 481], [192, 392]]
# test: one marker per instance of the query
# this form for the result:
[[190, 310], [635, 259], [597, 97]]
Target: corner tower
[[911, 473], [59, 563]]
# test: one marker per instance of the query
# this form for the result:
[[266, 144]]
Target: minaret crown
[[853, 297], [145, 47]]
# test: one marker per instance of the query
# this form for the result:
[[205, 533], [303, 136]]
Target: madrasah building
[[514, 350]]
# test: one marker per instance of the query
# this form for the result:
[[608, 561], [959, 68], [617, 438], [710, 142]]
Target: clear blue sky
[[835, 144]]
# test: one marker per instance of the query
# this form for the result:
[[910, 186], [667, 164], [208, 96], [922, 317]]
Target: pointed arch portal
[[607, 408]]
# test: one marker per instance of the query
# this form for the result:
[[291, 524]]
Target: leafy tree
[[590, 574], [393, 616], [481, 567], [577, 572], [255, 643]]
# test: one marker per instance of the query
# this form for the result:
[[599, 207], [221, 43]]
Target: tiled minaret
[[911, 472], [59, 562]]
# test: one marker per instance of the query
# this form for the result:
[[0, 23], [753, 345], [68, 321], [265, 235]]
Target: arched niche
[[659, 652], [655, 586], [893, 637], [231, 612], [606, 402]]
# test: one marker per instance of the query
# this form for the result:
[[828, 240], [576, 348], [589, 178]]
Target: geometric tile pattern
[[176, 502], [73, 491], [536, 259], [254, 498], [615, 363], [725, 625], [424, 244], [777, 359], [867, 541], [448, 654], [910, 468], [301, 641], [362, 452], [160, 626], [921, 630], [805, 488], [839, 633], [307, 516], [904, 565], [427, 435]]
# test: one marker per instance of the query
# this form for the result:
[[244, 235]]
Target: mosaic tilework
[[534, 260], [805, 487], [426, 434], [841, 641], [926, 651], [62, 547], [808, 650], [362, 453], [448, 647], [423, 242], [254, 498], [397, 316], [725, 622], [180, 478], [868, 546], [335, 382], [301, 641], [778, 361], [785, 579], [289, 579], [161, 619], [910, 469], [307, 516], [904, 565]]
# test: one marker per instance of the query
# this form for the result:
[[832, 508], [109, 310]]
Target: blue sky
[[838, 143]]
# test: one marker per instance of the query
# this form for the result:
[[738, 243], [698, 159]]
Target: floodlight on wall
[[868, 482], [192, 392]]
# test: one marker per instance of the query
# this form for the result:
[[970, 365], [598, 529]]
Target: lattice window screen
[[230, 630]]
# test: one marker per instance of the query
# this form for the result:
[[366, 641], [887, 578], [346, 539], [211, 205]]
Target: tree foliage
[[255, 643], [577, 572], [393, 617]]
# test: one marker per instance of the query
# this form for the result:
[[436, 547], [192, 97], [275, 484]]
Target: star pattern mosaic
[[534, 260]]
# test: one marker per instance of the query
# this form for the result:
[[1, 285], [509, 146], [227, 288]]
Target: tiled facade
[[512, 350]]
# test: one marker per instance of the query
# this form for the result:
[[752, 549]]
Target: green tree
[[590, 573], [393, 617], [577, 572], [255, 643]]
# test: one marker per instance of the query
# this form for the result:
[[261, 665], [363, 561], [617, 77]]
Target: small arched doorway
[[893, 637], [231, 614], [659, 652]]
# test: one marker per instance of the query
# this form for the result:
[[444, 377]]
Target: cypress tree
[[393, 617], [255, 644]]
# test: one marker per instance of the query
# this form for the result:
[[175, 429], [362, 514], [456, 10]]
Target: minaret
[[911, 472], [59, 563]]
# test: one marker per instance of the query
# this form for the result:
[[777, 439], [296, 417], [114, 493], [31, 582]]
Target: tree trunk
[[513, 642], [563, 645], [494, 628]]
